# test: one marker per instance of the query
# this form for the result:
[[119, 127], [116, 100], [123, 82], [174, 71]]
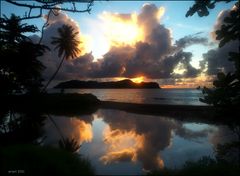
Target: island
[[123, 84]]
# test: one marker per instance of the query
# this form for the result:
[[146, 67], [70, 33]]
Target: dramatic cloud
[[216, 60], [139, 46], [153, 55], [190, 40], [51, 59]]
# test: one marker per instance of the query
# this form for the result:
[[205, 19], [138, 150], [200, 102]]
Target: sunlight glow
[[85, 44], [179, 69], [121, 31], [135, 80], [84, 130], [161, 12], [122, 145], [138, 79]]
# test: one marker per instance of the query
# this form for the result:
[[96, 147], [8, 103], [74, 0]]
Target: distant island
[[123, 84]]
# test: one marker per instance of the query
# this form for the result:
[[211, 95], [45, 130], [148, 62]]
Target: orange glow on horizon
[[183, 83], [138, 79]]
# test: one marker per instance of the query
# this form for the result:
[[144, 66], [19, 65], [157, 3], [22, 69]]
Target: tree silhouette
[[13, 31], [67, 46], [20, 71], [21, 128], [51, 5], [226, 90], [202, 7]]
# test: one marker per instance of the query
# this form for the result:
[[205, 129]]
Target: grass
[[37, 160]]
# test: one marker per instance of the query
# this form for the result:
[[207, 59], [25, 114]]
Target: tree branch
[[52, 5]]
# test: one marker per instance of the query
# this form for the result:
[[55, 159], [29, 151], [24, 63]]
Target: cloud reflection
[[132, 137], [72, 128], [126, 137]]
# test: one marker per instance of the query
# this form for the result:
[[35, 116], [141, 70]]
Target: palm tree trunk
[[53, 76], [58, 129]]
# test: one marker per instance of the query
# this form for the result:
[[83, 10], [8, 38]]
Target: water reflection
[[117, 142], [145, 96], [71, 128], [153, 134]]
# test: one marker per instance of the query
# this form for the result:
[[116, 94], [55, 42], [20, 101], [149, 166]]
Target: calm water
[[150, 96], [121, 143]]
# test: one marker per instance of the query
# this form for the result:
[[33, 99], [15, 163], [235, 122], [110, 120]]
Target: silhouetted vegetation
[[226, 163], [67, 46], [21, 128], [20, 70], [202, 7], [38, 160], [52, 103], [25, 109], [70, 145], [51, 5], [204, 166], [123, 84], [226, 89]]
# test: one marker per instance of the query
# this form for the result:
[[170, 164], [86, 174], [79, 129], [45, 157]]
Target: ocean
[[145, 96]]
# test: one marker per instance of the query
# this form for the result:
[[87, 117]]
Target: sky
[[141, 40]]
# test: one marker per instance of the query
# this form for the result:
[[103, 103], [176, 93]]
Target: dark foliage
[[20, 70], [226, 89], [202, 7], [70, 145], [37, 160]]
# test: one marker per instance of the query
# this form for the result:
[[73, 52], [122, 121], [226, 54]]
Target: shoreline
[[176, 111], [189, 113], [80, 104]]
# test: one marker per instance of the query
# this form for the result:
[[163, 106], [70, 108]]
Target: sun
[[138, 79], [121, 31]]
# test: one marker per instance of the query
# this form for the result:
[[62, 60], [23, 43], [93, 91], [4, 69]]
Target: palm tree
[[67, 46], [12, 30], [20, 70]]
